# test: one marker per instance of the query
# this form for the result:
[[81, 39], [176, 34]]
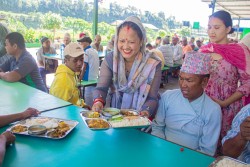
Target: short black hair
[[204, 76], [16, 38], [159, 38], [225, 17], [148, 45]]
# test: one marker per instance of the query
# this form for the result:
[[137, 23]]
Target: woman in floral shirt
[[230, 73]]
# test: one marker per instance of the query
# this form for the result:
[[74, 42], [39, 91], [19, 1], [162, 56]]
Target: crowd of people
[[210, 112]]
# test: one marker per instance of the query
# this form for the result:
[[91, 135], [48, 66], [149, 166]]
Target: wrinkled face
[[75, 63], [10, 49], [98, 39], [46, 44], [128, 43], [174, 41], [66, 40], [184, 42], [192, 85], [217, 31], [158, 41], [198, 43]]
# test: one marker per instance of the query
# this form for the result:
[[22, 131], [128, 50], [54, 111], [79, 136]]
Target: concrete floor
[[172, 84]]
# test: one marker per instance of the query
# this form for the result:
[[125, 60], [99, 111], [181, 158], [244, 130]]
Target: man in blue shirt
[[236, 142], [90, 69], [21, 66], [187, 116]]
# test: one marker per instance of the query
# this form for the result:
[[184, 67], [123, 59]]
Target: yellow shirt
[[65, 86]]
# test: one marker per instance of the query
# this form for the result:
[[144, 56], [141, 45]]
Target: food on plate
[[63, 126], [19, 129], [224, 161], [228, 162], [91, 114], [97, 123], [110, 111], [60, 131], [50, 123], [116, 118], [130, 121], [129, 112], [56, 133]]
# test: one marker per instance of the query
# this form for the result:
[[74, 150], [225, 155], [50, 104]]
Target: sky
[[183, 10]]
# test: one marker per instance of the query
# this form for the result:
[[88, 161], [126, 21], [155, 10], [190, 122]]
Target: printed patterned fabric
[[228, 52], [239, 118], [196, 63]]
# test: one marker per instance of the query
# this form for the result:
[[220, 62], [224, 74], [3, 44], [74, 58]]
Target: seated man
[[6, 138], [65, 85], [167, 52], [236, 142], [187, 116], [66, 39], [90, 69], [97, 44], [21, 66], [45, 65]]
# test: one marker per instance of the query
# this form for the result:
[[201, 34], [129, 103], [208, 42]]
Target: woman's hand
[[233, 98], [144, 113], [220, 102], [97, 106]]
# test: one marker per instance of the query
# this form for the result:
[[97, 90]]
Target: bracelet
[[99, 100]]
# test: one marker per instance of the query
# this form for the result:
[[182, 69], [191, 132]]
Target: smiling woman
[[135, 74]]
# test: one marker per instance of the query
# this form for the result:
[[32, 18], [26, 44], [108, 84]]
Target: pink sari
[[228, 52]]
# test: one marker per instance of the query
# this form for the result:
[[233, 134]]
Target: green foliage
[[52, 21], [162, 33], [29, 35], [3, 31], [106, 31], [15, 25], [184, 31], [77, 17], [77, 25]]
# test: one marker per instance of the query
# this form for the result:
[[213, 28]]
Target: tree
[[161, 15], [3, 31], [162, 33], [52, 21], [77, 25], [184, 31]]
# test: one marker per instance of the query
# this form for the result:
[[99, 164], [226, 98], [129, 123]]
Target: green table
[[165, 74], [111, 148], [16, 97], [101, 55], [84, 84], [53, 56]]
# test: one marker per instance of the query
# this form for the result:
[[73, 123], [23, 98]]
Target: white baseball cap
[[73, 50]]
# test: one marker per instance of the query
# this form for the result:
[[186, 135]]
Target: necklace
[[128, 67], [127, 71]]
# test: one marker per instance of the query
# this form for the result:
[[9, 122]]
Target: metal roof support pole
[[95, 18], [213, 6], [238, 29]]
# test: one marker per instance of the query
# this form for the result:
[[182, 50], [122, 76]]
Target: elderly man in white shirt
[[177, 49]]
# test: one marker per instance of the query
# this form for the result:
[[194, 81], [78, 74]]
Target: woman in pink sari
[[230, 74]]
